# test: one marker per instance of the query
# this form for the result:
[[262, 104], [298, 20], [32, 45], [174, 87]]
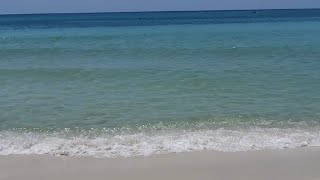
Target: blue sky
[[54, 6]]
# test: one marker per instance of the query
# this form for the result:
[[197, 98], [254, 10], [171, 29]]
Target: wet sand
[[291, 164]]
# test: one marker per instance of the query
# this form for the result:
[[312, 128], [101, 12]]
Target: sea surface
[[131, 84]]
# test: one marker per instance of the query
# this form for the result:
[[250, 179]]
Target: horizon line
[[160, 11]]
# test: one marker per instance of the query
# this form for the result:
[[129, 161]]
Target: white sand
[[291, 164]]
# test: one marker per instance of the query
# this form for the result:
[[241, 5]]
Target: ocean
[[139, 84]]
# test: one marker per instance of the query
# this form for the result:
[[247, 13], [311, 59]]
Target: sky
[[72, 6]]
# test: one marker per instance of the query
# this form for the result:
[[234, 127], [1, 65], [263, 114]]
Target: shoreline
[[299, 163]]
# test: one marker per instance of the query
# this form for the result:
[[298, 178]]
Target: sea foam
[[125, 144]]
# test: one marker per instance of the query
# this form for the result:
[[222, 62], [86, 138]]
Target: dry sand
[[291, 164]]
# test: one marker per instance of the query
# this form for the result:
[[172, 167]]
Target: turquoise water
[[147, 83]]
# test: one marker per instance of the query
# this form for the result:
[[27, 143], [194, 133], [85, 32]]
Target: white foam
[[145, 144]]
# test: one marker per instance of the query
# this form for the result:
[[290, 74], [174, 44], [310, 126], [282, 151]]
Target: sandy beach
[[288, 164]]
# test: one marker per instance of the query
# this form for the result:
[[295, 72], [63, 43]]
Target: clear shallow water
[[144, 83]]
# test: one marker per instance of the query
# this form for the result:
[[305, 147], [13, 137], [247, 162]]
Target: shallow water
[[124, 84]]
